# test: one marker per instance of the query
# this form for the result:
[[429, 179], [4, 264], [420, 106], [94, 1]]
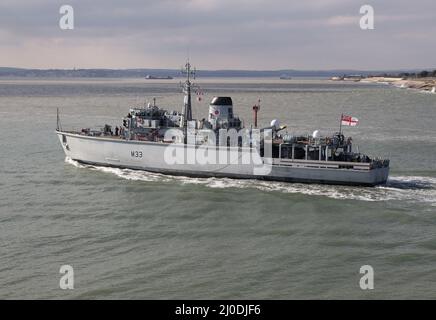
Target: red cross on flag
[[349, 121]]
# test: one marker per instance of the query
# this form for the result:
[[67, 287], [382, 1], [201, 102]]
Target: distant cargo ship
[[150, 77]]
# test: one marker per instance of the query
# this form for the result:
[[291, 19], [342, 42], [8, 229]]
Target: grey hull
[[118, 153]]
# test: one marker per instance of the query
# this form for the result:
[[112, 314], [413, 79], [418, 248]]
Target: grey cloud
[[317, 34]]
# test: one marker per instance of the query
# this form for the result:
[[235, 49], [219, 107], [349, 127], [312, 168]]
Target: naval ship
[[151, 138]]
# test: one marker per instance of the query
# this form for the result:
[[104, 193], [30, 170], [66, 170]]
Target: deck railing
[[323, 164]]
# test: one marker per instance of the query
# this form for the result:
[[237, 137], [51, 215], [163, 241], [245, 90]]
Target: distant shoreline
[[422, 84], [165, 73]]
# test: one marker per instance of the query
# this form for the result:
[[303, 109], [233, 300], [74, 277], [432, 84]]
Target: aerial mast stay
[[58, 121]]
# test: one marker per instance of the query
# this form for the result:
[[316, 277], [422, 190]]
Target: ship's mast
[[187, 108]]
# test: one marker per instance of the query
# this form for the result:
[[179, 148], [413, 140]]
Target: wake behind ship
[[153, 139]]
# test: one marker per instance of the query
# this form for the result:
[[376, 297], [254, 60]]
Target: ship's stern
[[380, 175]]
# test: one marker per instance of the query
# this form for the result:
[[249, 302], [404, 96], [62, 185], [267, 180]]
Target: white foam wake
[[404, 188]]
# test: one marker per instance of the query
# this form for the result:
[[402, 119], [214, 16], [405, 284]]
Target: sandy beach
[[424, 84]]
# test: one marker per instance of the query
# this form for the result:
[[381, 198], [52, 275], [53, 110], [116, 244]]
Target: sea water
[[133, 234]]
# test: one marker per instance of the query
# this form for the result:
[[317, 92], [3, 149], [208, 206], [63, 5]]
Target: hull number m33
[[136, 154]]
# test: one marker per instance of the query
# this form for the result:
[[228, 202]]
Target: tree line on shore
[[421, 74]]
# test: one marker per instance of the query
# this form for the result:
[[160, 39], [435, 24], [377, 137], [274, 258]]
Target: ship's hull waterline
[[150, 156]]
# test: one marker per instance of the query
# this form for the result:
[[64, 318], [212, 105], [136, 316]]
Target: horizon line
[[222, 70]]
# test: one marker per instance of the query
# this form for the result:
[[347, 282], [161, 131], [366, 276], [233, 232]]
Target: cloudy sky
[[219, 34]]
